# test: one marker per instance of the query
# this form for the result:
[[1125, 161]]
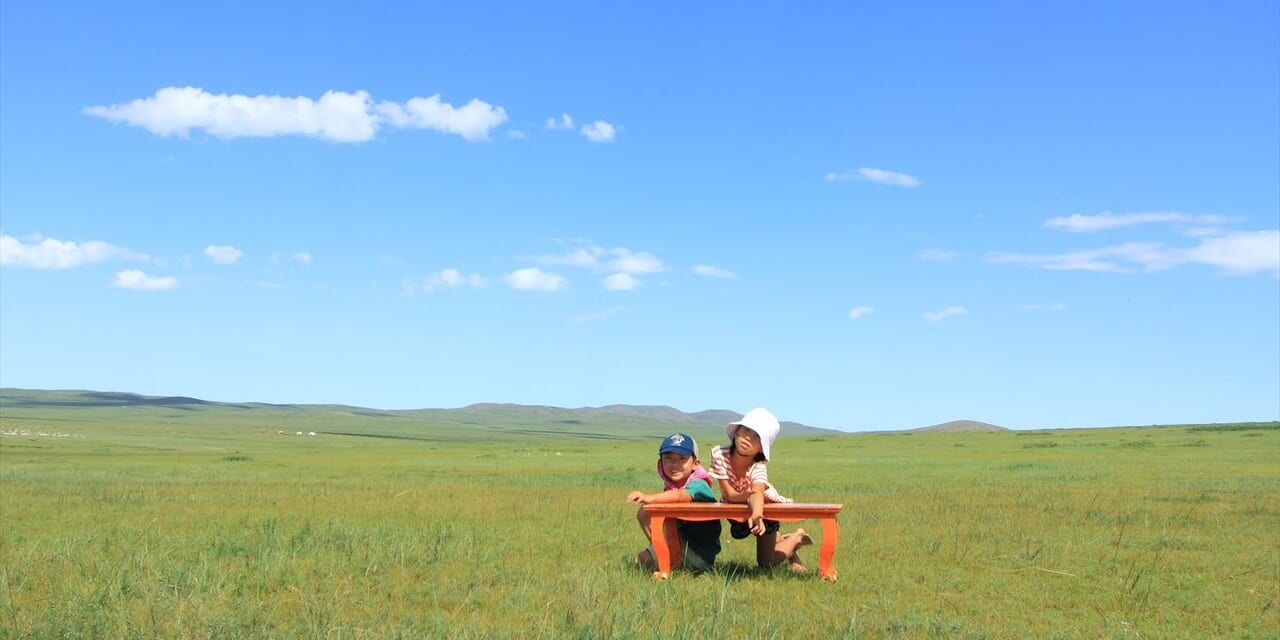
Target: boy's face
[[677, 466], [746, 442]]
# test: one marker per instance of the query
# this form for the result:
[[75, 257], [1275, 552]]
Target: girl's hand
[[635, 496], [756, 522]]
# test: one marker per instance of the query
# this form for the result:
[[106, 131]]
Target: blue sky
[[861, 217]]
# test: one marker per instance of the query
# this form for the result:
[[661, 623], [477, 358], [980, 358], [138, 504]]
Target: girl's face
[[676, 466], [746, 442]]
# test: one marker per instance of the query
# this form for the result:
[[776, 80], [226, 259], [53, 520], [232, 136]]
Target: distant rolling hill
[[958, 426], [474, 422]]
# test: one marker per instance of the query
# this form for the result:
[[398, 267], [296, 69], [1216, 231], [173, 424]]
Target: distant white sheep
[[299, 433], [311, 433]]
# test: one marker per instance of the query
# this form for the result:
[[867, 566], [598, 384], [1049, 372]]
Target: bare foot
[[645, 559], [805, 539], [796, 565]]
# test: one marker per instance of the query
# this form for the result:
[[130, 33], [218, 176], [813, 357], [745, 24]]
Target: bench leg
[[827, 557], [675, 551], [658, 529]]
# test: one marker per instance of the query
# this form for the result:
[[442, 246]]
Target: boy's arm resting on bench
[[665, 497]]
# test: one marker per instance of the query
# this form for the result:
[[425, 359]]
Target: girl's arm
[[674, 495], [756, 500], [729, 494]]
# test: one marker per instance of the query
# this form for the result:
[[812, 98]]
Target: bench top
[[716, 510]]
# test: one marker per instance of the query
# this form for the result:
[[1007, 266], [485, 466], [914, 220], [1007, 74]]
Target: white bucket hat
[[760, 421]]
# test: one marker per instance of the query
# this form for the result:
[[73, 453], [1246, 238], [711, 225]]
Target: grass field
[[163, 522]]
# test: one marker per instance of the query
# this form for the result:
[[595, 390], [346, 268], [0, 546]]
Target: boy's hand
[[635, 496]]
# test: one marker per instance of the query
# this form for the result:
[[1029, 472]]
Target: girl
[[741, 469]]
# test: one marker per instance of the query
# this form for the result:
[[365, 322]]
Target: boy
[[684, 480]]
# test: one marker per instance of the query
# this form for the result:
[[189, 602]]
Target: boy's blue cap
[[679, 443]]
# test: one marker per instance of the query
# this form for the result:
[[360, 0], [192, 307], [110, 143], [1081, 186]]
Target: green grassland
[[207, 522]]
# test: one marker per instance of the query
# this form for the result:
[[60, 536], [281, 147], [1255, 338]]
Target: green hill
[[475, 422]]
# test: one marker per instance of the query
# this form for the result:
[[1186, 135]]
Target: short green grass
[[166, 525]]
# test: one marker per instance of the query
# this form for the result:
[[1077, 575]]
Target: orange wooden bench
[[666, 543]]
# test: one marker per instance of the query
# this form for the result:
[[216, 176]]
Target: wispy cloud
[[858, 312], [47, 253], [138, 280], [1078, 223], [223, 254], [337, 116], [565, 123], [599, 131], [516, 134], [617, 259], [1057, 306], [443, 279], [637, 262], [712, 272], [936, 255], [585, 257], [1240, 253], [621, 282], [879, 176], [621, 263], [1117, 258], [949, 312], [535, 279], [302, 257], [599, 315]]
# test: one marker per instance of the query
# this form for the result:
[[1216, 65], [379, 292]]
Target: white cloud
[[473, 121], [1148, 255], [1241, 252], [588, 258], [936, 255], [892, 178], [1078, 223], [564, 123], [627, 261], [48, 253], [858, 312], [223, 254], [135, 279], [599, 315], [443, 279], [621, 282], [535, 279], [599, 131], [939, 316], [1057, 306], [615, 260], [712, 272], [337, 115], [516, 134], [302, 257], [1201, 232]]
